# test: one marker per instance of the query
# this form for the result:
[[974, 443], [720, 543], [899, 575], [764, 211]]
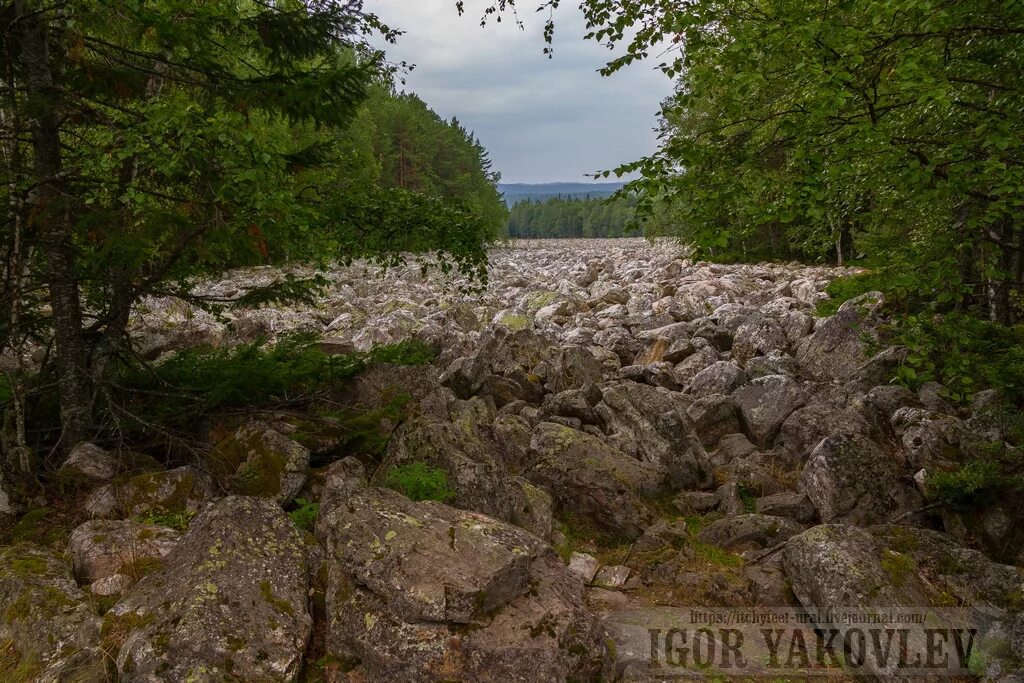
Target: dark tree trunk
[[51, 214]]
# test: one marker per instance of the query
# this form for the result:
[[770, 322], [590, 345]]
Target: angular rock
[[720, 377], [183, 489], [101, 548], [714, 417], [423, 591], [593, 480], [573, 368], [749, 531], [651, 425], [89, 463], [584, 566], [791, 504], [687, 369], [231, 602], [570, 403], [612, 577], [260, 461], [46, 622], [805, 427], [852, 479], [474, 470], [836, 350], [764, 405], [758, 336]]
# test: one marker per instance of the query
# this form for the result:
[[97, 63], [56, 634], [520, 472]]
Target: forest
[[571, 217]]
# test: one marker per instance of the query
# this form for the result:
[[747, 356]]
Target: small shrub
[[419, 481], [175, 520], [407, 352], [305, 515]]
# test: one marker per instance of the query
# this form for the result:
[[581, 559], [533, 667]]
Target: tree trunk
[[51, 214]]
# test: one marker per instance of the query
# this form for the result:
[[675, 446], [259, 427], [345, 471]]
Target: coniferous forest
[[571, 217]]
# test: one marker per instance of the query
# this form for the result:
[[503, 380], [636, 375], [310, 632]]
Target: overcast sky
[[542, 120]]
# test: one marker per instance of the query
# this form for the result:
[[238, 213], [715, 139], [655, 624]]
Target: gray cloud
[[541, 119]]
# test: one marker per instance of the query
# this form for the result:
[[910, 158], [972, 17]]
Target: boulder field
[[623, 432]]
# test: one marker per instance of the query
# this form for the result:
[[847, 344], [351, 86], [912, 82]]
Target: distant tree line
[[571, 217]]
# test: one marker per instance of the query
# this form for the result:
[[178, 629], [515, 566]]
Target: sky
[[541, 120]]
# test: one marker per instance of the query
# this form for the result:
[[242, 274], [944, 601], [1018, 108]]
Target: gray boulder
[[652, 425], [47, 625], [837, 567], [181, 490], [836, 350], [714, 417], [757, 336], [473, 466], [574, 367], [720, 377], [100, 548], [794, 505], [257, 460], [89, 463], [764, 405], [423, 591], [852, 479], [689, 368], [593, 480], [231, 602], [805, 427], [748, 532]]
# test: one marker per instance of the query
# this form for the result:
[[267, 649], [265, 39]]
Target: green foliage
[[358, 430], [964, 353], [202, 382], [36, 526], [571, 217], [843, 289], [891, 129], [405, 352], [176, 520], [748, 499], [420, 481], [993, 473], [178, 139], [304, 516]]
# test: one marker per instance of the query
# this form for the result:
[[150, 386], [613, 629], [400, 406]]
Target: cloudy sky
[[542, 120]]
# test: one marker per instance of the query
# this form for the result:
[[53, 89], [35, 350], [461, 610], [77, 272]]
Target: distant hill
[[514, 193]]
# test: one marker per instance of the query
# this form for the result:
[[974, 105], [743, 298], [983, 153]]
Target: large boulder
[[933, 440], [764, 405], [652, 425], [100, 548], [181, 490], [837, 349], [750, 531], [833, 568], [574, 367], [88, 463], [714, 417], [46, 621], [805, 427], [852, 479], [720, 377], [757, 336], [256, 460], [423, 591], [473, 464], [230, 602], [592, 480]]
